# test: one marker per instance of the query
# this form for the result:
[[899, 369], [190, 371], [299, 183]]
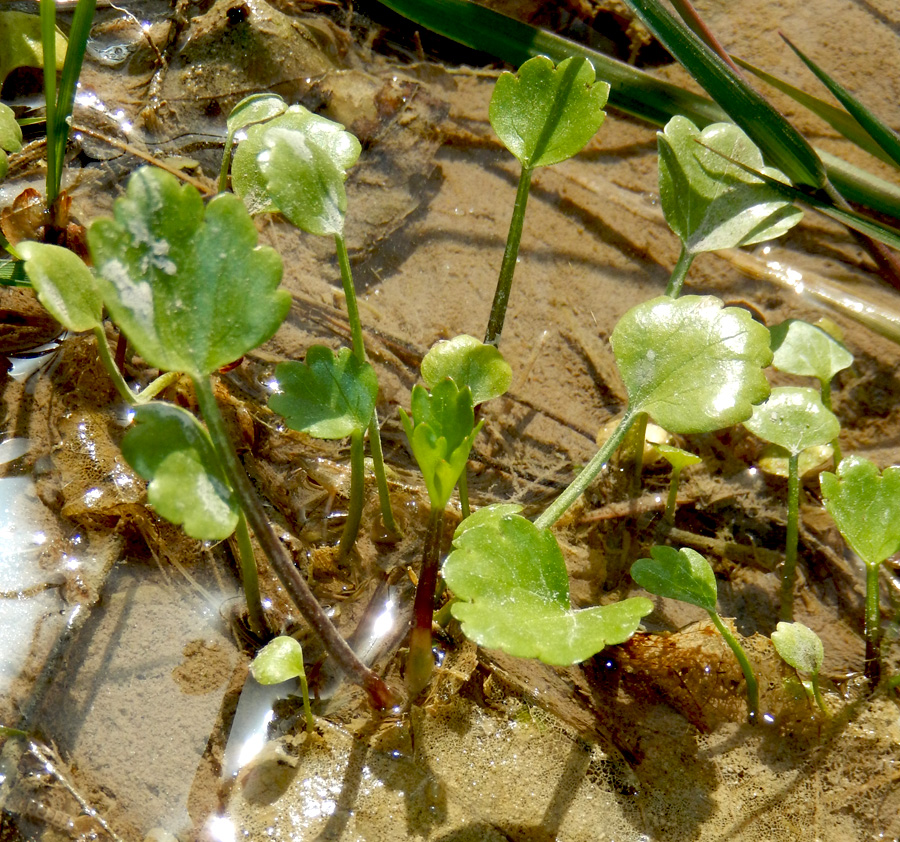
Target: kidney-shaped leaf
[[64, 285], [799, 646], [684, 575], [807, 350], [170, 448], [513, 590], [329, 396], [794, 418], [865, 505], [468, 362], [545, 114], [693, 365], [191, 290], [711, 203]]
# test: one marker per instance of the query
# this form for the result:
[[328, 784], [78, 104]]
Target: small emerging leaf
[[684, 575], [441, 432], [799, 646], [190, 287], [865, 505], [691, 364], [807, 350], [279, 660], [329, 396], [794, 418], [64, 285], [468, 362], [546, 114], [679, 459], [709, 202], [510, 578], [170, 448]]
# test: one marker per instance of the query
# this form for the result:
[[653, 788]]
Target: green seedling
[[808, 350], [70, 292], [687, 576], [297, 163], [709, 202], [471, 363], [800, 648], [280, 660], [509, 578], [193, 292], [256, 108], [544, 115], [795, 419], [441, 431], [691, 364], [10, 137], [865, 505], [331, 396], [679, 459]]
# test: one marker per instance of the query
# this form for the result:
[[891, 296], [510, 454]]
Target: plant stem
[[293, 582], [420, 662], [357, 493], [679, 273], [825, 388], [250, 579], [510, 255], [873, 625], [48, 42], [746, 666], [124, 390], [463, 486], [669, 514], [786, 609], [384, 496], [226, 162], [580, 484], [817, 695]]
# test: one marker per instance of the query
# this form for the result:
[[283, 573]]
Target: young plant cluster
[[193, 291]]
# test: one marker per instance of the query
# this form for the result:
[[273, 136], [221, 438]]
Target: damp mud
[[123, 653]]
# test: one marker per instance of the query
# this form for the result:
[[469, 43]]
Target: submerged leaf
[[10, 137], [546, 114], [256, 108], [279, 660], [20, 44], [511, 580], [468, 362], [865, 505], [328, 396], [170, 448], [677, 574], [191, 290], [693, 365], [807, 350], [794, 418], [709, 202], [799, 646]]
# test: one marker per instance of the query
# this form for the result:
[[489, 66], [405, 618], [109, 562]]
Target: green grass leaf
[[691, 364], [794, 418], [328, 396], [807, 350], [711, 203], [510, 578], [684, 575], [64, 285], [865, 505], [170, 448], [468, 362], [190, 287], [546, 114]]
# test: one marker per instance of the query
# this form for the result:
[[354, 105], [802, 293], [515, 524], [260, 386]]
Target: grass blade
[[882, 134], [48, 43], [780, 142]]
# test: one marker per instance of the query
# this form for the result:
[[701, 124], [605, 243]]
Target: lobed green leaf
[[684, 575]]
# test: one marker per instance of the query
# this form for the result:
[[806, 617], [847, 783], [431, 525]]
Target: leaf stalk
[[786, 611]]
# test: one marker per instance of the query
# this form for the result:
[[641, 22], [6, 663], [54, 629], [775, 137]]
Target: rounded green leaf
[[10, 131], [64, 285], [279, 660], [20, 43], [679, 459], [711, 203], [513, 591], [684, 575], [807, 350], [693, 365], [256, 108], [441, 432], [545, 114], [468, 362], [794, 418], [328, 396], [190, 288], [799, 647], [170, 448], [865, 505]]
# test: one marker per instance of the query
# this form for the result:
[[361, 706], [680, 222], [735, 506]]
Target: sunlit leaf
[[513, 591], [679, 459], [256, 108], [677, 574], [802, 348], [20, 44], [279, 660], [468, 362], [794, 418]]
